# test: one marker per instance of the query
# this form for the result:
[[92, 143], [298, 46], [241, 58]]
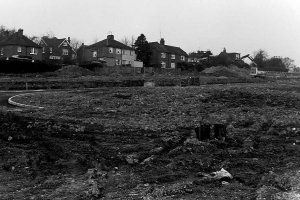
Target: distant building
[[56, 50], [233, 56], [110, 51], [197, 57], [166, 56], [18, 44]]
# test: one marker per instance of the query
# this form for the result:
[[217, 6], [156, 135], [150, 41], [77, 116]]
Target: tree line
[[266, 63]]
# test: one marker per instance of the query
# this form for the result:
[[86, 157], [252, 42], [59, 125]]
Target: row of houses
[[109, 51], [48, 49], [114, 53]]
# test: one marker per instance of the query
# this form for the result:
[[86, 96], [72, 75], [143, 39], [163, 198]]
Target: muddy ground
[[140, 143]]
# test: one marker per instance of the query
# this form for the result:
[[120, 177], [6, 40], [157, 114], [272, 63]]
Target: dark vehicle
[[21, 58]]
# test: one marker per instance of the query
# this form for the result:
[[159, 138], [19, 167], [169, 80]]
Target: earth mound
[[73, 71], [230, 71]]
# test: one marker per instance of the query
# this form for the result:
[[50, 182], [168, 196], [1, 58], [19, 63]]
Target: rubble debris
[[132, 159], [222, 175], [97, 181]]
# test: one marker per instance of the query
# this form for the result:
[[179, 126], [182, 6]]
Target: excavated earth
[[140, 143]]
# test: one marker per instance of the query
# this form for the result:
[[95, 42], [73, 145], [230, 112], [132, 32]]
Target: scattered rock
[[132, 159], [266, 192], [225, 183], [97, 180], [222, 175], [157, 150], [147, 160]]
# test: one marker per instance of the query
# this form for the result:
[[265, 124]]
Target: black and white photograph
[[150, 100]]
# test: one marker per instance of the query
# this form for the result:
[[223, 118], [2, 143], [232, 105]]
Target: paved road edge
[[10, 101]]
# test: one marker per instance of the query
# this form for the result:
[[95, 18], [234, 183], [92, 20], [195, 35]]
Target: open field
[[142, 142]]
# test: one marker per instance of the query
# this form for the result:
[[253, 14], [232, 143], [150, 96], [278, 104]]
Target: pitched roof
[[18, 39], [167, 48], [110, 43], [53, 42]]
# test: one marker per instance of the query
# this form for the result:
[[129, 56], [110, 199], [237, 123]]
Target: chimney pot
[[110, 37], [20, 32], [69, 40], [162, 41]]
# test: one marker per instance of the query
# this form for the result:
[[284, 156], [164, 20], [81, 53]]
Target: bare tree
[[125, 40], [260, 57], [133, 39], [49, 34], [75, 43], [5, 32], [34, 38], [289, 63]]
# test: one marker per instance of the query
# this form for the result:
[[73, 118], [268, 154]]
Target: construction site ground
[[140, 143]]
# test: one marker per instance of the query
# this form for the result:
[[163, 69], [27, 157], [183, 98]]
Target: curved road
[[5, 95]]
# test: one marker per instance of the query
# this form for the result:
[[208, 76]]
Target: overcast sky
[[239, 25]]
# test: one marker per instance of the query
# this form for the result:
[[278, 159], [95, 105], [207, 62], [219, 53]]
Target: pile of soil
[[73, 71], [230, 71]]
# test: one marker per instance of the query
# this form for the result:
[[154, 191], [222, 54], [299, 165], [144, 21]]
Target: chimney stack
[[162, 41], [110, 37], [20, 32], [69, 40]]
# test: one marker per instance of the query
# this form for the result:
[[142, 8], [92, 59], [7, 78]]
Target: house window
[[163, 65], [19, 49], [118, 51], [33, 51], [1, 51], [131, 53], [182, 58], [94, 54], [65, 52], [111, 50], [163, 55], [43, 49], [173, 65], [50, 49], [173, 56], [65, 44]]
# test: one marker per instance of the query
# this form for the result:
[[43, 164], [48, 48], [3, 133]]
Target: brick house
[[18, 44], [110, 51], [56, 50], [166, 56]]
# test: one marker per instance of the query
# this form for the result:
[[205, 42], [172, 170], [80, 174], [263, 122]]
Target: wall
[[137, 64]]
